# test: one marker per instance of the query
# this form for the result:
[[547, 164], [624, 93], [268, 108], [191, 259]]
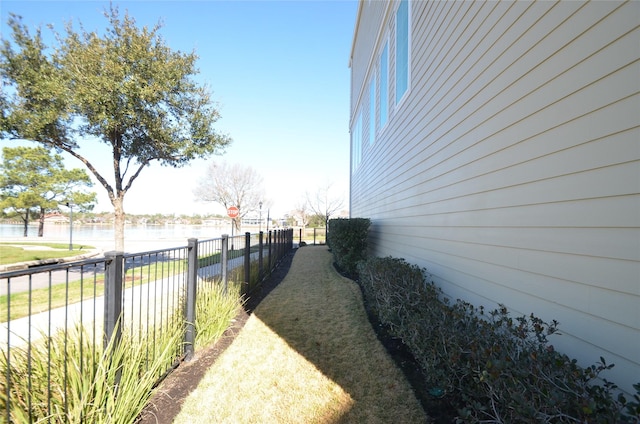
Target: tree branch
[[91, 168], [134, 176]]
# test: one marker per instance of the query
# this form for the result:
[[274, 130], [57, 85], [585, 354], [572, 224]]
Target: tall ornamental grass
[[69, 378], [215, 308]]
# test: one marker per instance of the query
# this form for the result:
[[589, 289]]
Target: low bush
[[489, 366], [347, 239]]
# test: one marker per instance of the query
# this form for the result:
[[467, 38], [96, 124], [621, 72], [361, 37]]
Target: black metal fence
[[312, 235], [119, 295]]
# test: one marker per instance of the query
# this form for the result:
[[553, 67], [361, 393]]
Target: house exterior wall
[[510, 169]]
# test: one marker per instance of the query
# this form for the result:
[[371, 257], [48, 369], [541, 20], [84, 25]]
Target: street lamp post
[[70, 206]]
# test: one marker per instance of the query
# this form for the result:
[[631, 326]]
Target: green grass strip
[[79, 290], [11, 253]]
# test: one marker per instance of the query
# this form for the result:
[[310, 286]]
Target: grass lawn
[[14, 252], [59, 295], [91, 286], [41, 300], [307, 354]]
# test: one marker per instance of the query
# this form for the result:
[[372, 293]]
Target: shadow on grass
[[321, 316]]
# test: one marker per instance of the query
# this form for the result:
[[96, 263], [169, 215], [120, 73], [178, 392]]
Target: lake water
[[138, 237]]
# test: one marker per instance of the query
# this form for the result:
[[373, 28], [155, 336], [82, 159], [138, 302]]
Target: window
[[372, 110], [384, 85], [356, 143], [402, 49]]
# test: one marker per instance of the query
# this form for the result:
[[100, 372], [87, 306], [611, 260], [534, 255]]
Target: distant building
[[215, 222], [56, 218], [497, 144]]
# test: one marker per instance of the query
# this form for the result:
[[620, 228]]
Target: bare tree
[[302, 213], [232, 185], [324, 202]]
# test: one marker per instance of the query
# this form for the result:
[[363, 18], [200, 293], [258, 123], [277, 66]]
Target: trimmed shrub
[[347, 239], [489, 366]]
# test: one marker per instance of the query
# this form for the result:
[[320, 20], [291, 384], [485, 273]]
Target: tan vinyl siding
[[512, 168]]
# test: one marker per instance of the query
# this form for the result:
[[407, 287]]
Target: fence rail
[[312, 235], [137, 296]]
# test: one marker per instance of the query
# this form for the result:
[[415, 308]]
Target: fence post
[[314, 236], [270, 252], [276, 246], [260, 265], [280, 244], [223, 261], [190, 307], [247, 260], [113, 298]]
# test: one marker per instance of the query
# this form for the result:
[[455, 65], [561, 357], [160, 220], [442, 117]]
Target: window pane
[[384, 85], [372, 110], [402, 49], [356, 143]]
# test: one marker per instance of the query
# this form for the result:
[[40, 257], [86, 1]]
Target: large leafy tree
[[126, 89], [232, 185], [34, 180]]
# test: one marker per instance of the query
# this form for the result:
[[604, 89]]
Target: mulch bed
[[438, 409]]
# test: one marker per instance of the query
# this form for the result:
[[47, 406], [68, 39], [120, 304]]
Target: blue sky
[[279, 71]]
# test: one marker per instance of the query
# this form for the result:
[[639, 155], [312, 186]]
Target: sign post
[[232, 212]]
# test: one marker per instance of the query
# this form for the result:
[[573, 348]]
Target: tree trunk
[[118, 223], [26, 223], [41, 224]]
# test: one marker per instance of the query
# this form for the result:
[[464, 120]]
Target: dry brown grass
[[307, 355]]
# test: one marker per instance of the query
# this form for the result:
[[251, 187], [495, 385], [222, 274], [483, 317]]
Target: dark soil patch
[[167, 399], [439, 410]]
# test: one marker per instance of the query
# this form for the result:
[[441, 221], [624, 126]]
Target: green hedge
[[489, 366], [347, 239]]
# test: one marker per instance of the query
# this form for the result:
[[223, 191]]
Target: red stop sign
[[233, 211]]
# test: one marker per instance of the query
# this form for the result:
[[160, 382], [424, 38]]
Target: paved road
[[43, 280], [143, 305], [21, 331]]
